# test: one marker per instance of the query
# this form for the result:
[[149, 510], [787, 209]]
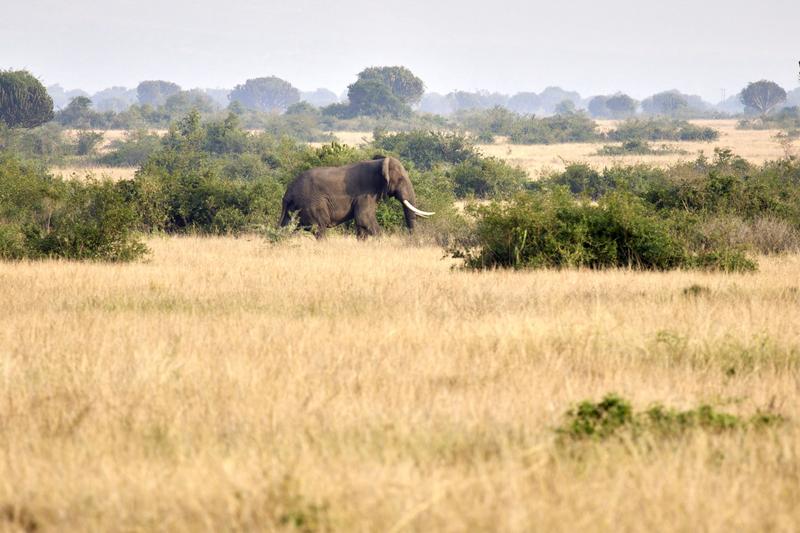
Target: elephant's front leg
[[365, 219]]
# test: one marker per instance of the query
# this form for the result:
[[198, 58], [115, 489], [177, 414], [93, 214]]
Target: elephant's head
[[399, 186]]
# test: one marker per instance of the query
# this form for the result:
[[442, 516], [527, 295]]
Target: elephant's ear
[[387, 161]]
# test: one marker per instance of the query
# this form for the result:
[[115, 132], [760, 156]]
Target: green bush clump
[[487, 177], [87, 142], [661, 129], [551, 229], [568, 128], [720, 206], [637, 147], [787, 119], [131, 151], [614, 415], [528, 129], [43, 217], [426, 149], [46, 144], [584, 181]]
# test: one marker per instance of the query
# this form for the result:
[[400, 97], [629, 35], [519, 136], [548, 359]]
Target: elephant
[[328, 196]]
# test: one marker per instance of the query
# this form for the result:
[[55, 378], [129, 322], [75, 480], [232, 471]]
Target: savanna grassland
[[756, 146], [230, 384]]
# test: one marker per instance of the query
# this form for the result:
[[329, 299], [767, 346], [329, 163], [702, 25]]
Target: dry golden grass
[[226, 384], [756, 146], [95, 171], [353, 138], [110, 136]]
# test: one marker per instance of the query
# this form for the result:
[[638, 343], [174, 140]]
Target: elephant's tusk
[[416, 211]]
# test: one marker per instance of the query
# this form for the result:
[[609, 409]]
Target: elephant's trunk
[[408, 213]]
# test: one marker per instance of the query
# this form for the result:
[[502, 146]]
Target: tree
[[302, 108], [266, 94], [77, 113], [597, 107], [552, 96], [477, 100], [156, 92], [115, 99], [181, 103], [374, 98], [762, 96], [401, 81], [524, 103], [24, 102], [320, 97], [566, 107], [665, 103], [621, 105]]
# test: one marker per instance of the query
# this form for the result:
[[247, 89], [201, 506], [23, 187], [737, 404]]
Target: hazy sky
[[594, 47]]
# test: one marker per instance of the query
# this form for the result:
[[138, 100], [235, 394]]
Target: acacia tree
[[400, 80], [24, 101], [762, 95], [265, 94]]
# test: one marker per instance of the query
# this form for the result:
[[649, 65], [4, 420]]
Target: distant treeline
[[271, 94]]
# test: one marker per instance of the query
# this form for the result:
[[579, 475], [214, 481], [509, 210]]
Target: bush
[[528, 129], [47, 144], [87, 141], [43, 217], [638, 147], [787, 119], [131, 151], [551, 229], [426, 148], [661, 129], [613, 415], [487, 177], [715, 204]]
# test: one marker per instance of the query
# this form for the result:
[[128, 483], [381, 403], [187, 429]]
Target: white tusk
[[417, 211]]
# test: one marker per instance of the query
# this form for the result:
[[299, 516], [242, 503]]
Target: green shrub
[[661, 129], [87, 141], [426, 148], [551, 229], [46, 144], [569, 128], [487, 177], [131, 151], [528, 129], [583, 180], [637, 147], [614, 415], [44, 217], [787, 119]]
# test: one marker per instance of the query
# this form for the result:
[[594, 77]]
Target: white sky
[[594, 47]]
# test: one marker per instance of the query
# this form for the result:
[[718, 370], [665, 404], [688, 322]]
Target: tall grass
[[232, 384]]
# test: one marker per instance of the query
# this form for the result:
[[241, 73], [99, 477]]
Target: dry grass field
[[95, 171], [231, 385], [756, 146]]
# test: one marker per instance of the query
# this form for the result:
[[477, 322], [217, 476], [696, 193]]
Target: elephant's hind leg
[[317, 218]]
